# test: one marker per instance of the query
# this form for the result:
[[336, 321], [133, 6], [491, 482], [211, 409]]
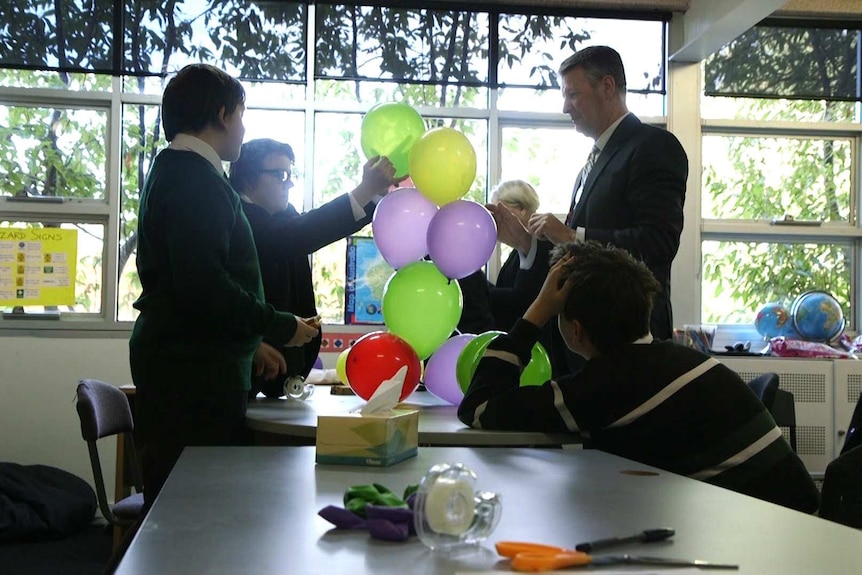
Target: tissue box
[[379, 440]]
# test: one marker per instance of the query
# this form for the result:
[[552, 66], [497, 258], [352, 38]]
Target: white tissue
[[387, 394]]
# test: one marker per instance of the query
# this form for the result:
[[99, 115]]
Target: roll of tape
[[449, 506]]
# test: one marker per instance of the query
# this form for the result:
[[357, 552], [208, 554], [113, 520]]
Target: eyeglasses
[[279, 174]]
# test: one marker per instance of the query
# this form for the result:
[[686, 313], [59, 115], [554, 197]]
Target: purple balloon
[[461, 238], [440, 377], [400, 226]]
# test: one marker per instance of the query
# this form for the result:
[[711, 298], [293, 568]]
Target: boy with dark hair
[[202, 310], [655, 402]]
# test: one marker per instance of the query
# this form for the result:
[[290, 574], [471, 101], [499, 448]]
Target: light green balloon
[[537, 372], [390, 130], [421, 306]]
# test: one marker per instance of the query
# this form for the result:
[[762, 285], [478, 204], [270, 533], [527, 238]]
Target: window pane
[[53, 152], [793, 62], [339, 91], [75, 35], [548, 158], [551, 100], [56, 80], [778, 110], [88, 269], [759, 177], [252, 40], [402, 44], [142, 140], [740, 277], [531, 52]]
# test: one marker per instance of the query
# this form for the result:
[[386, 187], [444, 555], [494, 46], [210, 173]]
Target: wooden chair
[[104, 411]]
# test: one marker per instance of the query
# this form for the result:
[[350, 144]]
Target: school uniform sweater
[[659, 403], [202, 307]]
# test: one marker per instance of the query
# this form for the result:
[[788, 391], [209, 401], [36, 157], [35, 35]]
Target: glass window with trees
[[781, 156], [81, 125]]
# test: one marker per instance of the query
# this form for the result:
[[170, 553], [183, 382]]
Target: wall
[[38, 421]]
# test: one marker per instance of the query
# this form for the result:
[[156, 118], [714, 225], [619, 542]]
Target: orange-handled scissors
[[535, 557]]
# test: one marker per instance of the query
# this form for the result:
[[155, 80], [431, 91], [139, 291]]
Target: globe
[[817, 316], [773, 320]]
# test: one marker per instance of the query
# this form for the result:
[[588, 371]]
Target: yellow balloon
[[341, 366], [443, 165]]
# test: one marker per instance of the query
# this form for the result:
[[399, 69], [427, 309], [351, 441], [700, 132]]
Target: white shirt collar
[[645, 339], [606, 135], [198, 146]]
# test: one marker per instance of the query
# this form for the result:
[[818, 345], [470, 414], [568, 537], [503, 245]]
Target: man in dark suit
[[285, 238], [630, 193]]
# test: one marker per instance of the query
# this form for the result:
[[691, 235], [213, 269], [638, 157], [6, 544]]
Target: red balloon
[[376, 357]]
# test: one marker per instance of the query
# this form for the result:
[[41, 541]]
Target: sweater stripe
[[477, 415], [665, 393], [741, 457], [506, 356], [562, 408]]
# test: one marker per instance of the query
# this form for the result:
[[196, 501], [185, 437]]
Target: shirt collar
[[645, 339], [602, 141], [198, 146]]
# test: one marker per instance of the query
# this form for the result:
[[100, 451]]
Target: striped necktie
[[585, 171]]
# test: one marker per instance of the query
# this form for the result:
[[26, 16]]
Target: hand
[[312, 321], [510, 230], [304, 333], [549, 227], [378, 175], [553, 295], [268, 362]]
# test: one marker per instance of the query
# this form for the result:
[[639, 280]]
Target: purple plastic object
[[461, 238], [400, 226], [318, 363], [441, 378]]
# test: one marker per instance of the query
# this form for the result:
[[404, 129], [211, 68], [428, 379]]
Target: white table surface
[[238, 510]]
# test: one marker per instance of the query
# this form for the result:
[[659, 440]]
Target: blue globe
[[817, 316], [773, 320]]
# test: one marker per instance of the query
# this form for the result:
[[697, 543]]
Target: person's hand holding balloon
[[378, 175]]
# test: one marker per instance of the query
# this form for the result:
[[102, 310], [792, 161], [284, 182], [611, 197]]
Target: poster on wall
[[37, 266], [367, 273]]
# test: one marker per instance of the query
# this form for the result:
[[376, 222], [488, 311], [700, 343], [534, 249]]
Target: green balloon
[[421, 306], [469, 357], [537, 372], [391, 130]]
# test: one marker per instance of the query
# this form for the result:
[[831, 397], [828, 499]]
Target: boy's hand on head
[[268, 362], [553, 295]]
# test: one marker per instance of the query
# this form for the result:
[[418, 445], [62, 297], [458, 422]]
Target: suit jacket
[[284, 241], [633, 199]]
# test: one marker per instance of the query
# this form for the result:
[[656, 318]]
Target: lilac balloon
[[440, 377], [400, 226], [461, 238]]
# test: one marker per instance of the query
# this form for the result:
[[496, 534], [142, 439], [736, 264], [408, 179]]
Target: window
[[81, 123], [780, 182]]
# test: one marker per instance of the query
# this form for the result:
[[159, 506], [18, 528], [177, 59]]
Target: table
[[292, 422], [229, 510]]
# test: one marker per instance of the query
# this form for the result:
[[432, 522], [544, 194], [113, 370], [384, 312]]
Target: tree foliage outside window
[[779, 74]]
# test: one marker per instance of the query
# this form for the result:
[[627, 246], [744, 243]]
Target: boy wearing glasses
[[202, 309], [285, 238]]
